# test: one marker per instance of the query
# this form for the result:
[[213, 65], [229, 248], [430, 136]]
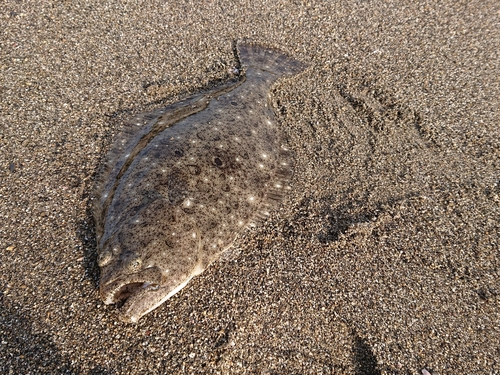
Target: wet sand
[[383, 259]]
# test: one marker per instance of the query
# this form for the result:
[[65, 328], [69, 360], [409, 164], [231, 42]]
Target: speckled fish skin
[[181, 182]]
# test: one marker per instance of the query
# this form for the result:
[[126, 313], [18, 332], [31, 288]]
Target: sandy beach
[[384, 258]]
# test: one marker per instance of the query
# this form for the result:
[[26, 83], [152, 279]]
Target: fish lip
[[134, 307], [129, 286]]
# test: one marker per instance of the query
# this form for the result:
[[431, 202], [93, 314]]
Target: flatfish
[[182, 181]]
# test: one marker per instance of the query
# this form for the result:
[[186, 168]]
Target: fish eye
[[133, 263], [104, 258]]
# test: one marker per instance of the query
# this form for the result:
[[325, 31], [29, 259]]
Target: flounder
[[181, 182]]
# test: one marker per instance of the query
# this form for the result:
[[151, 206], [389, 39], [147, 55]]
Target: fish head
[[148, 260]]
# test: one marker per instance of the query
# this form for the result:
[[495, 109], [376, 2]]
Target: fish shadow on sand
[[86, 234], [24, 350], [364, 360]]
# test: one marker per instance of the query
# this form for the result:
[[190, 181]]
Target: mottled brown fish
[[181, 182]]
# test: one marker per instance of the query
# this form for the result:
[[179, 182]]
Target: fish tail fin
[[268, 59]]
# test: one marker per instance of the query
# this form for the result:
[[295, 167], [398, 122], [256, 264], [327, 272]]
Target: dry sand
[[384, 259]]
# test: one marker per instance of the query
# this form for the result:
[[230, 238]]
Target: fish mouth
[[120, 290], [142, 292]]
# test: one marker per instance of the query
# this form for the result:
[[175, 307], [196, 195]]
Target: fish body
[[181, 182]]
